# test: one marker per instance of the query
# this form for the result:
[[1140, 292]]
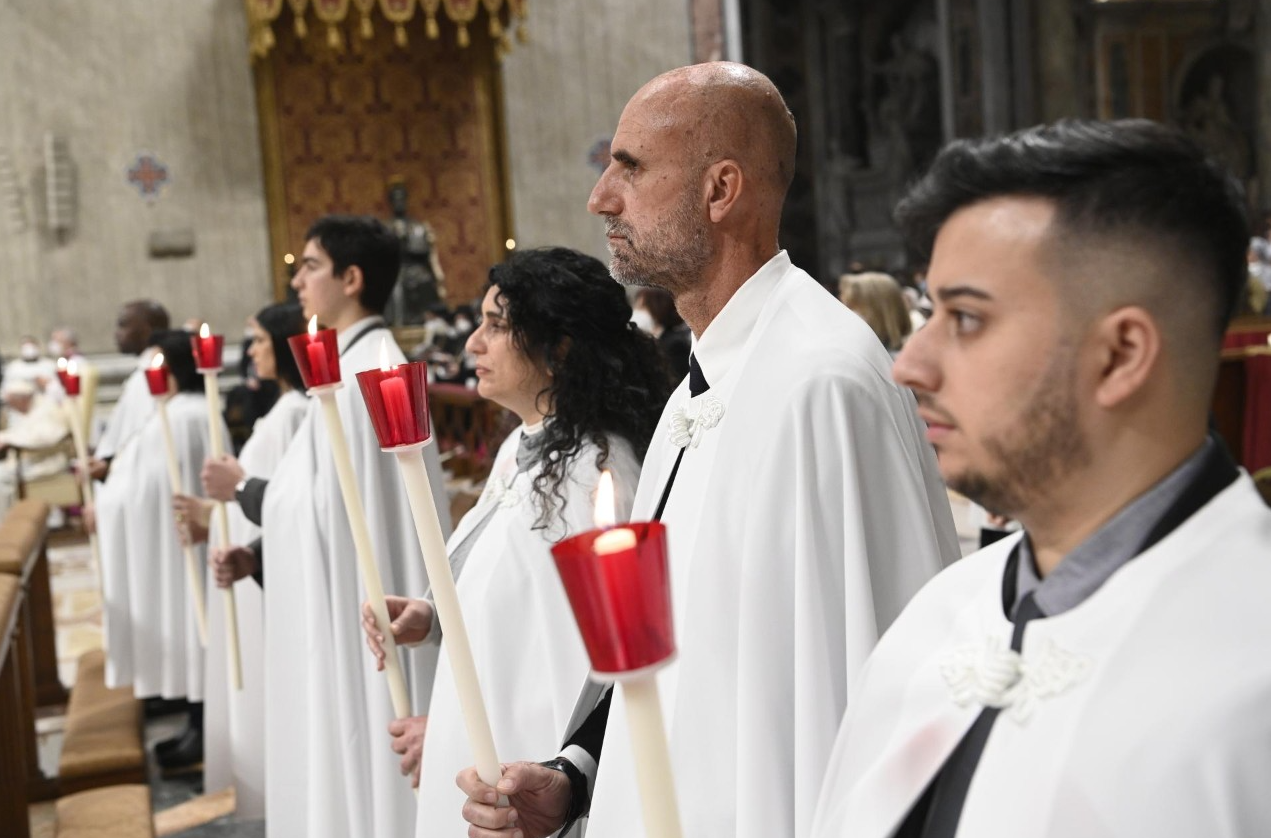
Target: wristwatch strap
[[579, 797]]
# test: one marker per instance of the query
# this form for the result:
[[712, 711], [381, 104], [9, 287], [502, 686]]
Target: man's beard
[[1048, 445], [671, 255]]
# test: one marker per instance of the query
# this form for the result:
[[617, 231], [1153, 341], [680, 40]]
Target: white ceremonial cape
[[167, 654], [529, 677], [798, 528], [1143, 712], [234, 720], [328, 770], [133, 407]]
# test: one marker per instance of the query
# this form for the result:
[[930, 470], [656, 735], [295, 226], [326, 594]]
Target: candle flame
[[157, 362], [205, 331], [71, 369], [61, 364], [313, 326], [385, 366], [604, 515]]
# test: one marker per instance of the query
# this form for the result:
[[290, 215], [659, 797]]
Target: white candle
[[365, 554], [73, 417], [232, 657], [446, 601], [652, 757], [191, 563]]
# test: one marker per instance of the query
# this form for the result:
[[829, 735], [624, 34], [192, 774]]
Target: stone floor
[[180, 805]]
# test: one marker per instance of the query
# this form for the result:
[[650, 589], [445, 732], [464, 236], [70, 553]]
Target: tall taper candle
[[192, 569]]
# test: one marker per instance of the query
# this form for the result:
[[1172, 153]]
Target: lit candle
[[69, 374], [207, 349], [396, 399], [613, 539], [319, 369], [157, 376]]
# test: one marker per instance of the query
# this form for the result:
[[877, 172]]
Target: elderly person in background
[[33, 422], [878, 300]]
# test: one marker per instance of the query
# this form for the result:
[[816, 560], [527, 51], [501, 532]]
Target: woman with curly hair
[[554, 347]]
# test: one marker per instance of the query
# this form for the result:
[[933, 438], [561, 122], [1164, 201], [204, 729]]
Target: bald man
[[1104, 673], [803, 506]]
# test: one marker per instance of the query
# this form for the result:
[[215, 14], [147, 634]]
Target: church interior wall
[[563, 91], [115, 82]]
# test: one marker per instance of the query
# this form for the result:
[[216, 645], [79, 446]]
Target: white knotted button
[[686, 429], [993, 675]]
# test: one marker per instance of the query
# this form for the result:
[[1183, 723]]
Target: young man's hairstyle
[[1130, 181], [366, 242]]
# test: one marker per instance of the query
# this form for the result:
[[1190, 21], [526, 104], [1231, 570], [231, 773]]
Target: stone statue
[[908, 111], [1207, 120], [420, 282]]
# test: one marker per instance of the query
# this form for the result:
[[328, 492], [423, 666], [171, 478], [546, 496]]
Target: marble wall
[[563, 93], [117, 81]]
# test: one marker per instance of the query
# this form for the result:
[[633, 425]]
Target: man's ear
[[353, 282], [1129, 352], [724, 182]]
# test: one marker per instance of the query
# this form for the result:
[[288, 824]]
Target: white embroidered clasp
[[992, 675], [502, 493], [687, 430]]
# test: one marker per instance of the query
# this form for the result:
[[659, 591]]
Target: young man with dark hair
[[326, 768], [1103, 672]]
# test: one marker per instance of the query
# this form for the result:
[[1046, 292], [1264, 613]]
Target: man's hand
[[538, 798], [98, 469], [89, 516], [220, 476], [411, 619], [228, 566], [193, 515], [408, 740]]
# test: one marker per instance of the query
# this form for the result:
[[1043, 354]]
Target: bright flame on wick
[[157, 362], [61, 364], [385, 366], [313, 326], [204, 331], [604, 516], [71, 369]]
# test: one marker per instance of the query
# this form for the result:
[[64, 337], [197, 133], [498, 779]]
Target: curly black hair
[[568, 316]]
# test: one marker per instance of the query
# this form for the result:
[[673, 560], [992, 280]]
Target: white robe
[[234, 720], [529, 679], [798, 529], [133, 407], [328, 771], [1160, 725], [167, 655], [111, 498]]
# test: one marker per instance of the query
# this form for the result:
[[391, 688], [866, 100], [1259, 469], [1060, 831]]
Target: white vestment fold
[[133, 407], [328, 771], [167, 654], [234, 720], [529, 655], [799, 526], [1142, 711]]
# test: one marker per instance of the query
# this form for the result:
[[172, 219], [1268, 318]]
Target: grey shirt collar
[[1086, 568]]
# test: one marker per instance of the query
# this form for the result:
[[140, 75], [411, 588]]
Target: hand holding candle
[[618, 585], [69, 375], [157, 379], [322, 378], [397, 399], [207, 349]]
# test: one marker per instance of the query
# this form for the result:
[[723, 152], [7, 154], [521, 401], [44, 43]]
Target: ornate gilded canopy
[[335, 16]]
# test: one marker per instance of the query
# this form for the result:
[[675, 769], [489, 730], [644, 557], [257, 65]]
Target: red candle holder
[[207, 351], [397, 400], [70, 381], [157, 379], [621, 600], [318, 357]]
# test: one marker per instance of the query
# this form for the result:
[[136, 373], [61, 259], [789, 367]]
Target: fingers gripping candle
[[207, 357]]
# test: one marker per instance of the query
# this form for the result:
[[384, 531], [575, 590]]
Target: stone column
[[708, 30], [1262, 44]]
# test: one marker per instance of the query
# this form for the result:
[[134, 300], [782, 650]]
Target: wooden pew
[[13, 719], [23, 553]]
